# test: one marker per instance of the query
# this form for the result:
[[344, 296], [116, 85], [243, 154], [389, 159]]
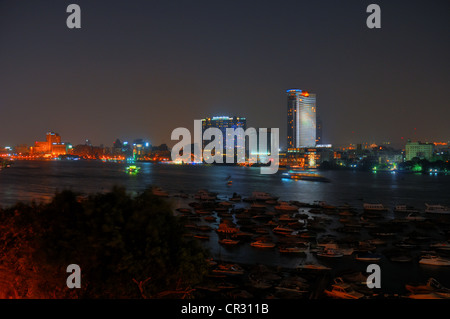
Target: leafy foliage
[[127, 247]]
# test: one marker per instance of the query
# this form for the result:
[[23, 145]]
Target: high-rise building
[[222, 123], [301, 119], [319, 131]]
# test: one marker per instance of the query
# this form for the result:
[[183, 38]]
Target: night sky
[[139, 69]]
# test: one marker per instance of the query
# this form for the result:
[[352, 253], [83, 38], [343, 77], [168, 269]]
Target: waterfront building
[[262, 152], [319, 139], [52, 146], [418, 149], [222, 123], [301, 119], [304, 158], [140, 147]]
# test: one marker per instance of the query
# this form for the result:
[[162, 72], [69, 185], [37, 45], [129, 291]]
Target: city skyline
[[166, 64]]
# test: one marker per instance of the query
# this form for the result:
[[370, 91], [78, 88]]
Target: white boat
[[432, 290], [437, 209], [342, 290], [442, 246], [434, 260], [374, 207], [405, 209]]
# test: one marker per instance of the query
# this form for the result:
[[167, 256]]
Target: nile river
[[39, 180]]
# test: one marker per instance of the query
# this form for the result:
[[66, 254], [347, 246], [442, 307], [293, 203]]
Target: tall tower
[[301, 119]]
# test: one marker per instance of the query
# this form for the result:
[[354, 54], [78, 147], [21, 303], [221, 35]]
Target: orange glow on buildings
[[51, 147]]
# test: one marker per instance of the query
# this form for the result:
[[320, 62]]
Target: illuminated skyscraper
[[222, 123], [301, 119]]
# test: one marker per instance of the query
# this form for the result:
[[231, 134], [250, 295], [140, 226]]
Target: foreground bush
[[126, 247]]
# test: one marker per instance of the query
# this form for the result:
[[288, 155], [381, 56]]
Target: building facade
[[301, 119], [418, 149], [52, 146], [222, 123]]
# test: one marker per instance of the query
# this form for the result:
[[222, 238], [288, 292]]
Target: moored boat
[[434, 260], [374, 207], [228, 269], [415, 217], [292, 250], [132, 169], [431, 285], [368, 257], [227, 227], [442, 246], [261, 196], [431, 290], [305, 176], [262, 244], [401, 258], [236, 197], [405, 209], [159, 192], [313, 266], [342, 290], [282, 230], [227, 241], [437, 209], [201, 236], [330, 253], [283, 206]]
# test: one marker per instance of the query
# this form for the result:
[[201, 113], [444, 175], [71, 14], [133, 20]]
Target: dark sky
[[139, 69]]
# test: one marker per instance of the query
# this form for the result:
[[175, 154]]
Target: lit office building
[[222, 123], [301, 119], [418, 149]]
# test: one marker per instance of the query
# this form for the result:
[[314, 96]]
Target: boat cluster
[[325, 232]]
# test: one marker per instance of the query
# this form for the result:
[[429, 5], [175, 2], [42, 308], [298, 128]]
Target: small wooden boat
[[313, 266], [368, 257], [330, 253], [262, 244], [202, 236], [283, 206], [228, 242], [228, 269], [292, 250]]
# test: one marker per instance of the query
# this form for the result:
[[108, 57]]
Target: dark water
[[34, 180], [28, 180]]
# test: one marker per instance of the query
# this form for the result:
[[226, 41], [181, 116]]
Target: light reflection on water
[[38, 181]]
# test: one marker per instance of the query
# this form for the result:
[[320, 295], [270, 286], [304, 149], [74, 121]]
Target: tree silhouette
[[127, 247]]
